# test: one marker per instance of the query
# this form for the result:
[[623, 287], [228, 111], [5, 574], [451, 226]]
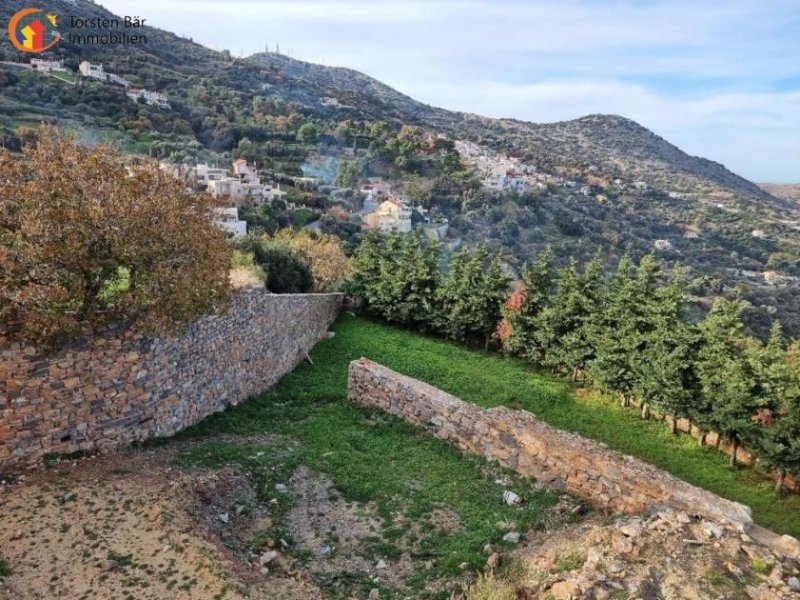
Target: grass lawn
[[375, 459], [315, 410]]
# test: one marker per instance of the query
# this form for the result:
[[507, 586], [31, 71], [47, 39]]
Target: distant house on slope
[[662, 245], [228, 219], [391, 215], [150, 98], [46, 66], [88, 69]]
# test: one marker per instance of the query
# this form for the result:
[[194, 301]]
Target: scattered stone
[[788, 546], [268, 557], [512, 537], [374, 593], [225, 518], [281, 488], [326, 550], [492, 561], [601, 593], [712, 530], [511, 498], [793, 583], [463, 566], [564, 590], [240, 508], [381, 564], [734, 570], [487, 549], [17, 535], [633, 530], [332, 334], [69, 496], [760, 592]]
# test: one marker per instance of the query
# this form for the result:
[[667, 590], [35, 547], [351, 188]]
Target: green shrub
[[286, 271]]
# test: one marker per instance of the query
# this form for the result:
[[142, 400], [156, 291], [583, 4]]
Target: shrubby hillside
[[736, 239]]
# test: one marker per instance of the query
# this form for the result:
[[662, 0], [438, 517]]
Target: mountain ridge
[[427, 115]]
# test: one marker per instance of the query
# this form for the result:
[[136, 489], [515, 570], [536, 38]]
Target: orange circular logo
[[33, 30]]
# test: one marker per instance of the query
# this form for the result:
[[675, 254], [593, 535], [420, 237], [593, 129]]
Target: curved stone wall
[[103, 392]]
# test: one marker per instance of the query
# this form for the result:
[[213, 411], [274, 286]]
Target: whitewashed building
[[391, 215], [88, 69], [46, 66], [228, 219]]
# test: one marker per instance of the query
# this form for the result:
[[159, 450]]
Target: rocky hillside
[[788, 191], [667, 555], [616, 146], [613, 145]]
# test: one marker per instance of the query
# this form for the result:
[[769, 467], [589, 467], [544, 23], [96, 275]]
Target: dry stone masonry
[[103, 392], [517, 439]]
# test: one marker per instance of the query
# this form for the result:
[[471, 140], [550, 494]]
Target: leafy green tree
[[472, 295], [409, 277], [780, 447], [350, 174], [664, 366], [366, 272], [308, 133], [287, 272], [777, 442], [728, 379], [565, 332], [524, 307], [617, 330]]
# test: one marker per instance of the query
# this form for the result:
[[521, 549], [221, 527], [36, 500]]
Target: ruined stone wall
[[107, 391], [517, 439]]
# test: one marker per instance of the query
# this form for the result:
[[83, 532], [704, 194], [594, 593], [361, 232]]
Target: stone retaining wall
[[517, 439], [103, 392]]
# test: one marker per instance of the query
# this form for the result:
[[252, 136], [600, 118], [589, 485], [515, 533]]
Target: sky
[[720, 79]]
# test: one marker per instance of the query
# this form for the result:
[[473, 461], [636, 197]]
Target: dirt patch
[[446, 520], [341, 539], [121, 526]]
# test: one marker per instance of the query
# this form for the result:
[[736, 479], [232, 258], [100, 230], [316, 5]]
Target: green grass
[[5, 568], [371, 457], [315, 408]]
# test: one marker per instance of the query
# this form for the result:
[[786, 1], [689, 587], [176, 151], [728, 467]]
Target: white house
[[273, 191], [151, 98], [662, 245], [228, 219], [244, 171], [47, 65], [87, 69], [392, 215], [204, 174], [118, 80], [228, 186]]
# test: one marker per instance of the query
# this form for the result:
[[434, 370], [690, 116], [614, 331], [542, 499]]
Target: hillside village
[[96, 72]]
